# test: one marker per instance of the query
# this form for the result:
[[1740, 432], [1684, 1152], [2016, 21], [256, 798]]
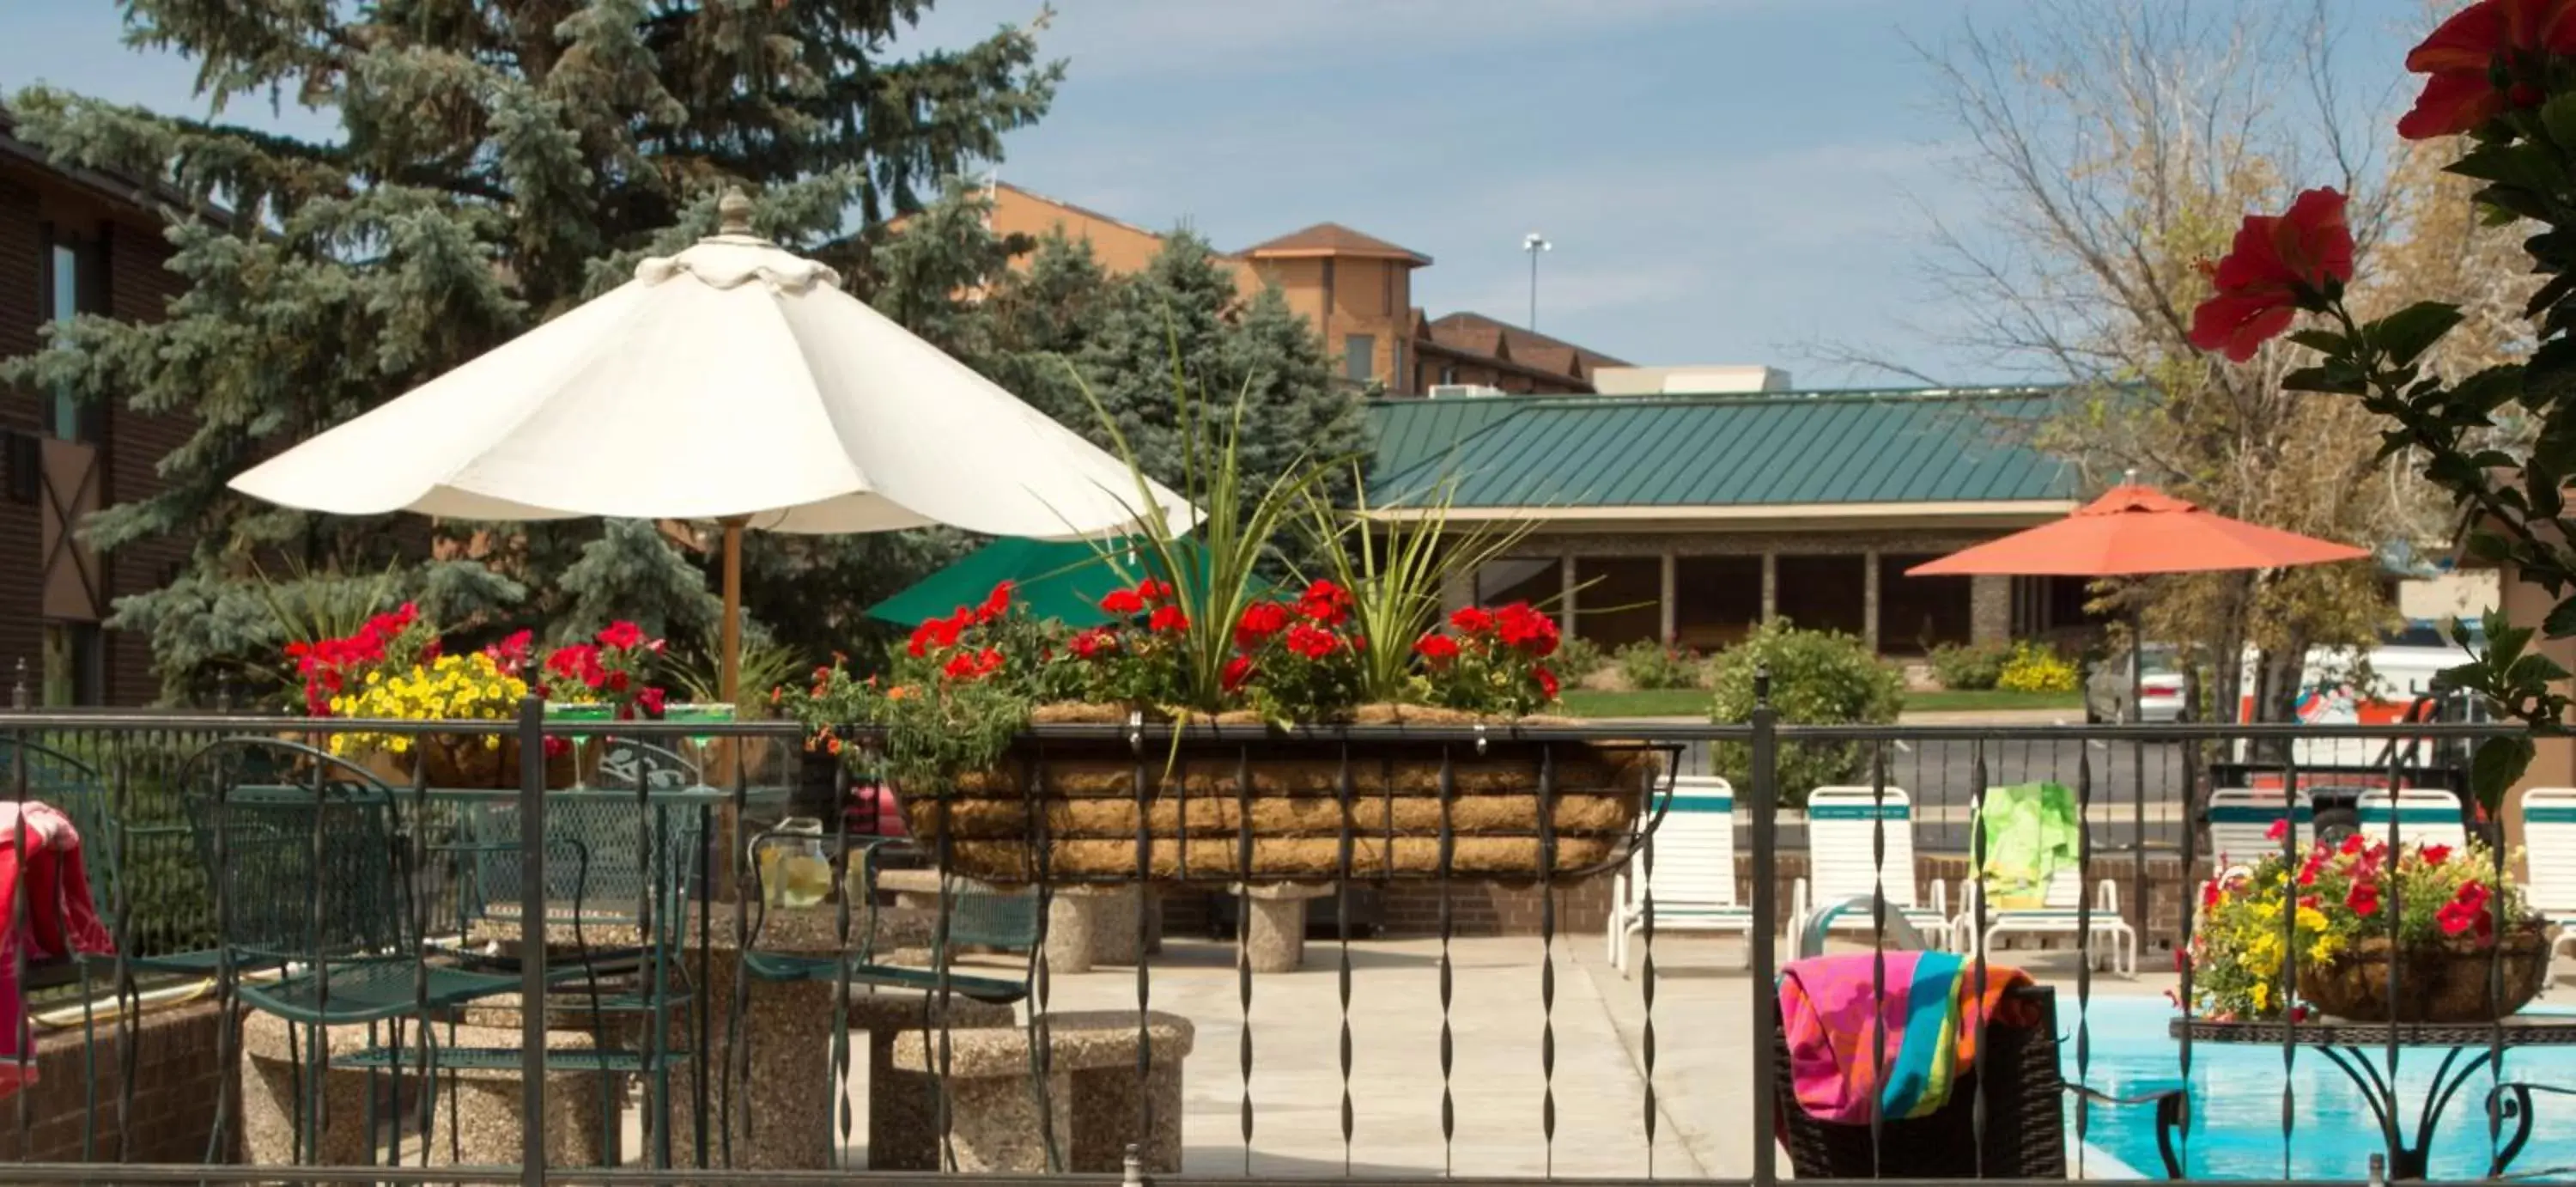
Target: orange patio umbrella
[[2136, 531]]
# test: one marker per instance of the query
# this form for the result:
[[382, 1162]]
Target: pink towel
[[59, 919]]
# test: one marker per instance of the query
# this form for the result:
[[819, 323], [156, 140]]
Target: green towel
[[2031, 834]]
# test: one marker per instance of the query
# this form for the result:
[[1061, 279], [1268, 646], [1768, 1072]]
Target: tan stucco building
[[1357, 290]]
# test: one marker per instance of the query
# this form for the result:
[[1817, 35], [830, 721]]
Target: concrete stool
[[1094, 1100], [903, 1106], [1274, 928], [479, 1123]]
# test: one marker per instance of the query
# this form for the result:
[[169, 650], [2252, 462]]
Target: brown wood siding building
[[74, 239]]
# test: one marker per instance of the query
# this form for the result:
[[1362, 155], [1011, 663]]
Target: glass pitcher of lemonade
[[794, 870]]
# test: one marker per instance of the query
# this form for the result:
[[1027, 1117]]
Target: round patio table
[[2466, 1049]]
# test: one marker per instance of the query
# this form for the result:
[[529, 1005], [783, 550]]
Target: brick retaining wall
[[177, 1082]]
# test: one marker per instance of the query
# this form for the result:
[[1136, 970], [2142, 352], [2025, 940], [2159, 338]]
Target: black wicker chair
[[2025, 1118]]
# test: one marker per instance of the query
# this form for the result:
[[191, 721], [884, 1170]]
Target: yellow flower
[[2312, 919], [2262, 995]]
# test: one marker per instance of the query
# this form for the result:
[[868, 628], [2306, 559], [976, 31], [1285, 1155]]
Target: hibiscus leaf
[[2322, 341], [2338, 378], [2558, 117], [2405, 335], [2499, 762]]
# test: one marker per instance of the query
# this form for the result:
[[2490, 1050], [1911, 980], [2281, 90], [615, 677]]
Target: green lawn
[[1693, 702]]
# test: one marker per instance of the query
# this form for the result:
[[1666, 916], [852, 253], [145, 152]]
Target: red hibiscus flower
[[622, 635], [1168, 620], [996, 603], [1238, 672], [2280, 263], [1546, 682], [1123, 603], [1472, 620], [1437, 648], [1325, 602], [2463, 54], [1260, 621]]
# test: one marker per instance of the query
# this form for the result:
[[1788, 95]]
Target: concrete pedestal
[[903, 1106], [1095, 1105], [1274, 926], [478, 1123]]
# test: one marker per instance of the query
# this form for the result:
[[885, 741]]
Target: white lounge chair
[[2241, 820], [2549, 849], [2060, 913], [1694, 874], [2420, 815], [1842, 826]]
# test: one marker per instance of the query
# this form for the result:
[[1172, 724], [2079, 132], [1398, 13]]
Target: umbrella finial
[[2129, 477], [733, 213]]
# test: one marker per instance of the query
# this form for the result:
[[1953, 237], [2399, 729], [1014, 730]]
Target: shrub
[[1578, 658], [1963, 667], [2034, 668], [1648, 664], [1817, 678]]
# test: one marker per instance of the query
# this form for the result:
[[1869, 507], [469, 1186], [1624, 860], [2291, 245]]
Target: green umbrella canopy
[[1062, 579]]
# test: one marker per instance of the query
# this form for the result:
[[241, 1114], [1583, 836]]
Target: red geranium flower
[[1123, 603], [2280, 263], [1094, 643], [2363, 898], [2354, 843], [2462, 56], [1472, 620], [996, 603], [1154, 591], [622, 635], [1260, 621], [1311, 642], [1325, 602], [1437, 648], [2436, 854], [1238, 672], [2280, 828], [1520, 627], [649, 702], [1546, 681], [1168, 620], [973, 665]]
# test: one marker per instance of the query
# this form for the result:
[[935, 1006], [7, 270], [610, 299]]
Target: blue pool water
[[2236, 1103]]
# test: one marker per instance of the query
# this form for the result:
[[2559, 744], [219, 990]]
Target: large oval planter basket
[[1272, 808], [2450, 983]]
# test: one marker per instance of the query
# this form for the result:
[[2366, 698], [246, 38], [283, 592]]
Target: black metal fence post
[[532, 941], [1764, 769]]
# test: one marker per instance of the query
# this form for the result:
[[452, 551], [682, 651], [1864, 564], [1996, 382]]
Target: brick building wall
[[177, 1082]]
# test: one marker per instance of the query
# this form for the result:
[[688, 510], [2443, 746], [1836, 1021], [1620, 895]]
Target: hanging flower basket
[[473, 762], [2437, 981], [1271, 808]]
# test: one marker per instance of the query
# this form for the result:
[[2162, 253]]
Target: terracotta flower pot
[[2445, 982]]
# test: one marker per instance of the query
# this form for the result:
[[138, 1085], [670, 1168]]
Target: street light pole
[[1534, 243]]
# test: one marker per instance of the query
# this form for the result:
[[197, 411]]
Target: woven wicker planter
[[2438, 983], [1268, 808]]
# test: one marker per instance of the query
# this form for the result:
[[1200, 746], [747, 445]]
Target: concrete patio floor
[[1703, 1125]]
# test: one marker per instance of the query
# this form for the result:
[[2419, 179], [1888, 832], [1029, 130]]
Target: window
[[1716, 600], [1619, 600], [1359, 357], [1449, 374], [1920, 613], [71, 288], [75, 665]]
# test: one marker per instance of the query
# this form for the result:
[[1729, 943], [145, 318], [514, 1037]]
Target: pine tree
[[1293, 409], [496, 162], [1161, 332]]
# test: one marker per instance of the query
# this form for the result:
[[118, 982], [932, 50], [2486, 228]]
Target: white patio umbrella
[[732, 382]]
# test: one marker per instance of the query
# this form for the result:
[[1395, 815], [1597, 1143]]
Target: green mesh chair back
[[989, 918], [609, 888], [304, 849]]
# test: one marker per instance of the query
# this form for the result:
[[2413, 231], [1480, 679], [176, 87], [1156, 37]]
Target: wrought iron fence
[[371, 926]]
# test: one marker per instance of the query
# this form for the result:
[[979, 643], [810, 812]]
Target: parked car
[[2108, 688]]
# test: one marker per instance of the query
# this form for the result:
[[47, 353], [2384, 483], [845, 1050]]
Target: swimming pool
[[2236, 1104]]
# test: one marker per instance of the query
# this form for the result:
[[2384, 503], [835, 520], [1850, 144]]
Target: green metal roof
[[1755, 449]]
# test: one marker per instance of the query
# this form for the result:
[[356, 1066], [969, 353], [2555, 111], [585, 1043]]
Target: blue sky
[[1725, 181]]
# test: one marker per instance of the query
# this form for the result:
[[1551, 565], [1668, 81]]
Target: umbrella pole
[[729, 655], [2138, 759]]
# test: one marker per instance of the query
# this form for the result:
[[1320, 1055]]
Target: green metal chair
[[37, 772], [977, 917]]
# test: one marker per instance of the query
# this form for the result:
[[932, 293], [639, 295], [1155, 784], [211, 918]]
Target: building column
[[1869, 599], [1990, 608], [1770, 586], [1565, 598], [1670, 585]]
